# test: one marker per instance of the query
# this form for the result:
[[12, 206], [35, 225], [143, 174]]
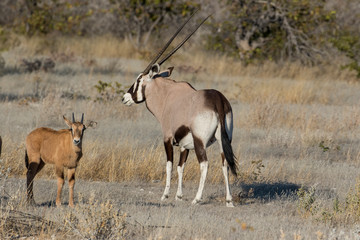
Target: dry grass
[[89, 48], [89, 220], [286, 97], [293, 124]]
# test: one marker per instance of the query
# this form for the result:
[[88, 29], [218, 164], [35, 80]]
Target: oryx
[[189, 118]]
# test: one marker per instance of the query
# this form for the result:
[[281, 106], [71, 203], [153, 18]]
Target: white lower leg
[[228, 195], [203, 171], [180, 170], [168, 180]]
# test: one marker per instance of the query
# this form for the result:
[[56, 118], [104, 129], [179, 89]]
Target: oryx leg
[[59, 171], [202, 158], [180, 169], [169, 163], [225, 169], [35, 165], [71, 178]]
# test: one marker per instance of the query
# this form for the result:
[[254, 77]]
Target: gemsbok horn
[[62, 148], [189, 118]]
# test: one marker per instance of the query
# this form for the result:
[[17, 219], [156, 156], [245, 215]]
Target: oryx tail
[[226, 145]]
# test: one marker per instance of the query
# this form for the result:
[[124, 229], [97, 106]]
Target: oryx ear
[[170, 69], [91, 124], [155, 69], [67, 121], [165, 73]]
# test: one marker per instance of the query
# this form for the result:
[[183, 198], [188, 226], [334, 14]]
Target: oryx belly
[[187, 142], [203, 127]]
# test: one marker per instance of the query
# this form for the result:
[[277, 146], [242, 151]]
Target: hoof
[[164, 197], [195, 201], [229, 204], [31, 203], [178, 198]]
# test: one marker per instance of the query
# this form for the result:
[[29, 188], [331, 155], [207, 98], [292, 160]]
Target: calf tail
[[26, 160]]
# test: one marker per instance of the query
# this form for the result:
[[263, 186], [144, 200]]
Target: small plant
[[4, 174], [252, 173], [108, 92], [257, 166], [95, 220], [345, 211], [307, 201], [352, 203], [323, 147]]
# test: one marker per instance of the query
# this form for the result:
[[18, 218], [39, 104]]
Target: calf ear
[[68, 122], [91, 124]]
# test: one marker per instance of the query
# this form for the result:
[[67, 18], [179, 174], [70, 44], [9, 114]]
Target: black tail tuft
[[26, 160], [228, 152]]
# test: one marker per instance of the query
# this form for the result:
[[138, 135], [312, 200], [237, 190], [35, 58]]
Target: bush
[[275, 30]]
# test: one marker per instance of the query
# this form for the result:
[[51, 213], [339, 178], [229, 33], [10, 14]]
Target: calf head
[[78, 128]]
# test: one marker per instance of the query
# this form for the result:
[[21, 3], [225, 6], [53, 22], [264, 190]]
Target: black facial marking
[[131, 89], [133, 92]]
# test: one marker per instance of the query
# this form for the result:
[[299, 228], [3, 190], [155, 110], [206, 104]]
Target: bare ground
[[268, 211]]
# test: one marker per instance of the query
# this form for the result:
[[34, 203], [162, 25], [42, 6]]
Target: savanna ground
[[296, 137]]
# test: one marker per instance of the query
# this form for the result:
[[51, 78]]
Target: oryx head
[[78, 128], [136, 93]]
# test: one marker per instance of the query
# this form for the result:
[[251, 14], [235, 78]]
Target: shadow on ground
[[48, 204], [266, 191]]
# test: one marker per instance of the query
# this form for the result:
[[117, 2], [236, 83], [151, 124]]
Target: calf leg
[[59, 171], [71, 178], [33, 168], [202, 158], [180, 169], [169, 163], [30, 175]]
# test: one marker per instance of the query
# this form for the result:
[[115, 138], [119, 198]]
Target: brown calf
[[62, 148]]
